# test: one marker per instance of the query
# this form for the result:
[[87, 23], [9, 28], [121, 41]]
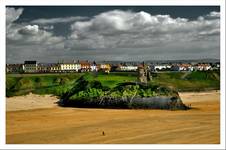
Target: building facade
[[94, 66], [70, 67], [104, 67], [30, 67], [128, 68], [14, 68], [55, 68], [85, 66]]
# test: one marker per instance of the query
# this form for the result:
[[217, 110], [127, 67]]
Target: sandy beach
[[30, 101], [36, 119]]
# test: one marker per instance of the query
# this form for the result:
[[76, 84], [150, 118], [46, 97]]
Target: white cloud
[[25, 41], [214, 14], [29, 29], [116, 35], [51, 27], [23, 33], [12, 15], [126, 29], [57, 20], [31, 34]]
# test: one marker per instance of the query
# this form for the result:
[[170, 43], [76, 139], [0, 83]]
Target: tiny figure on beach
[[103, 133], [189, 106]]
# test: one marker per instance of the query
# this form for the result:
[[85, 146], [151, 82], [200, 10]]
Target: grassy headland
[[189, 81], [114, 90], [57, 84]]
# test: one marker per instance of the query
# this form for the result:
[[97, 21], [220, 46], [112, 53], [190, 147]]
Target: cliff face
[[169, 103]]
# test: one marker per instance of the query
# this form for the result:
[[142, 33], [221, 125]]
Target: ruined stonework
[[144, 74], [149, 77]]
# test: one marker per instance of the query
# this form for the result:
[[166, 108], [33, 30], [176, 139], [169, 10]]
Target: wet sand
[[56, 125]]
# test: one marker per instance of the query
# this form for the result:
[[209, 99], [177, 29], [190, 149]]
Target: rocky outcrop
[[169, 103], [130, 95]]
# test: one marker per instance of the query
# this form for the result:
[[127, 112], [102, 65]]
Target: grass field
[[39, 83], [20, 84], [189, 81]]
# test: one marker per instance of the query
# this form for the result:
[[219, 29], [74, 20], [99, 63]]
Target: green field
[[57, 84], [189, 81]]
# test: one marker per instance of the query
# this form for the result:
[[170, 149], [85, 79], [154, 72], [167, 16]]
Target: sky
[[112, 33]]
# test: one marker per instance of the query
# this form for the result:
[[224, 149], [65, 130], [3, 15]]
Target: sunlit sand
[[51, 124]]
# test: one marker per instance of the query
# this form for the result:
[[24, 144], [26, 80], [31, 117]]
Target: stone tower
[[144, 74]]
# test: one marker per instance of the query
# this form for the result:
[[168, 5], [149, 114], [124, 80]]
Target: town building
[[70, 67], [185, 67], [175, 68], [55, 68], [94, 66], [104, 67], [203, 67], [30, 66], [160, 67], [45, 67], [14, 68], [85, 66], [128, 68]]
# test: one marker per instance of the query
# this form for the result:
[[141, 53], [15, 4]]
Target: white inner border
[[5, 3]]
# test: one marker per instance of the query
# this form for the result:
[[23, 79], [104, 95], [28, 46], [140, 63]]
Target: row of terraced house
[[74, 66], [185, 67], [86, 66]]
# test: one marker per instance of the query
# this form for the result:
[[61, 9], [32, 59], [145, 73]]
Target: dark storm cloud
[[113, 35]]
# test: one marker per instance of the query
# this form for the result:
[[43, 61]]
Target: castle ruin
[[144, 74]]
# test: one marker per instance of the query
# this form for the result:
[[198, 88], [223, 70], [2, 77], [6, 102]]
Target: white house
[[159, 67], [203, 67], [128, 68], [94, 66], [182, 67], [70, 67]]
